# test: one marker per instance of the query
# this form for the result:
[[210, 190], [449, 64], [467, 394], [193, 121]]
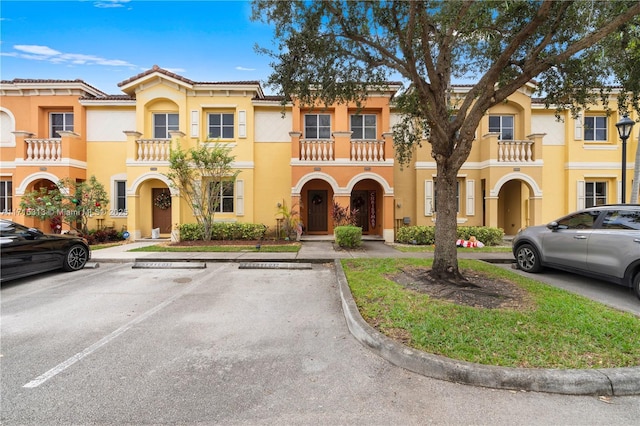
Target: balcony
[[152, 150], [324, 150], [317, 150], [43, 150], [367, 150], [515, 151]]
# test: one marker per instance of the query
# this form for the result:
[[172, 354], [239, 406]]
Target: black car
[[26, 251]]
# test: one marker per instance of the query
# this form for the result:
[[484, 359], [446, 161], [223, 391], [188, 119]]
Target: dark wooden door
[[161, 215], [317, 211], [360, 203]]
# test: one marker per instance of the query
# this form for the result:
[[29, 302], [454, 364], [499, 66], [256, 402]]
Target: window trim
[[503, 127], [221, 127], [6, 200], [317, 126], [65, 127], [232, 196], [587, 129], [363, 128], [167, 127]]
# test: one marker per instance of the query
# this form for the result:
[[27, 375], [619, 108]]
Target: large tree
[[202, 175], [335, 51]]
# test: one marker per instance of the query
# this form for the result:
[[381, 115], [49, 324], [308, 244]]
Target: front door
[[360, 204], [317, 212], [162, 209]]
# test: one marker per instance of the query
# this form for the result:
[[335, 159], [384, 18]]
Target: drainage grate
[[274, 265]]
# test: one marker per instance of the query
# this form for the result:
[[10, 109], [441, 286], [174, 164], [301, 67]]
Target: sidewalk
[[310, 251]]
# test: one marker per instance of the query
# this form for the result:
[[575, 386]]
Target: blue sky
[[105, 42]]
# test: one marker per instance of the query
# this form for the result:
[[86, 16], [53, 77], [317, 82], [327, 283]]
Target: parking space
[[117, 345]]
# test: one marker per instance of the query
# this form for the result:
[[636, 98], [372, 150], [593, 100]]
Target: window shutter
[[242, 124], [578, 123], [239, 197], [619, 191], [580, 202], [195, 124], [471, 205], [428, 198]]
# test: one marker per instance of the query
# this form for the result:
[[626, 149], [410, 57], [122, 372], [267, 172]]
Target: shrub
[[224, 231], [348, 236], [425, 235], [343, 216]]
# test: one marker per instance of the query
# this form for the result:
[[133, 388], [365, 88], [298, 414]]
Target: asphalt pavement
[[620, 381]]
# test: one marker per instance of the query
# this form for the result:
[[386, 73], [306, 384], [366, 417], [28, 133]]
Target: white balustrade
[[316, 150], [367, 150], [44, 150], [515, 151], [151, 150]]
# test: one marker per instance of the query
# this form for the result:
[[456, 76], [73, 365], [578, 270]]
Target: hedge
[[425, 235], [224, 231]]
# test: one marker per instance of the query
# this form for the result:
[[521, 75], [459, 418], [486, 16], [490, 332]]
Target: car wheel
[[528, 259], [636, 284], [75, 258]]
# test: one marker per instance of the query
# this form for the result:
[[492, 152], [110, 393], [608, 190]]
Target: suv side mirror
[[553, 226]]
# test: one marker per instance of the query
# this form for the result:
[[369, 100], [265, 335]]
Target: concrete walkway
[[620, 381]]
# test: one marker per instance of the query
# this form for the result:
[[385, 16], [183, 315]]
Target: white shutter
[[239, 197], [578, 123], [471, 200], [195, 124], [580, 202], [619, 192], [428, 198], [242, 124]]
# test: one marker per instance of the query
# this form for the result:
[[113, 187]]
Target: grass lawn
[[557, 330], [286, 248], [430, 248]]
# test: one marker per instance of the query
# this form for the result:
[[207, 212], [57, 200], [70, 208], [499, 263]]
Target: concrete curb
[[610, 381]]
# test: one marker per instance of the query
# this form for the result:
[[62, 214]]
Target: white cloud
[[245, 69], [104, 4], [44, 53]]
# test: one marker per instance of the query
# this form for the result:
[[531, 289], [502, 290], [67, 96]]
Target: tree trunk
[[445, 260]]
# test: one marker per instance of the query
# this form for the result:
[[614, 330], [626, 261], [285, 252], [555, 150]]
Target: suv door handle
[[580, 237], [636, 240]]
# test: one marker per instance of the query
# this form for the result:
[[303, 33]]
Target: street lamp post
[[624, 130]]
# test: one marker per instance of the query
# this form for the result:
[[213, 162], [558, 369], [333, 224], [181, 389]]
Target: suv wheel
[[636, 284], [527, 258], [75, 258]]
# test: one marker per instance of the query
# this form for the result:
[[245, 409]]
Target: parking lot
[[223, 345]]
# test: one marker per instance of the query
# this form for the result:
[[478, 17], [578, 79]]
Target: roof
[[26, 84]]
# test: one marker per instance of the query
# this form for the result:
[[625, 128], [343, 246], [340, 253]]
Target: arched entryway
[[518, 203], [315, 207], [151, 207], [366, 198]]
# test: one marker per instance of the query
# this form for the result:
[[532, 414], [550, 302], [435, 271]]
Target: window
[[163, 124], [595, 193], [6, 198], [595, 128], [225, 197], [121, 196], [622, 219], [317, 126], [502, 124], [221, 126], [60, 121], [582, 220], [363, 126]]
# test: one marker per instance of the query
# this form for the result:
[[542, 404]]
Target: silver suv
[[602, 242]]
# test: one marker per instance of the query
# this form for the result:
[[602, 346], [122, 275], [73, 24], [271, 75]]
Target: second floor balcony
[[324, 150], [152, 150]]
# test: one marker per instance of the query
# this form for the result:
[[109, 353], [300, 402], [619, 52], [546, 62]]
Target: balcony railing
[[367, 150], [44, 150], [152, 150], [515, 151], [316, 150]]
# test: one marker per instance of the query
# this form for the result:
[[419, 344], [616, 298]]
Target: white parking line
[[91, 349]]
